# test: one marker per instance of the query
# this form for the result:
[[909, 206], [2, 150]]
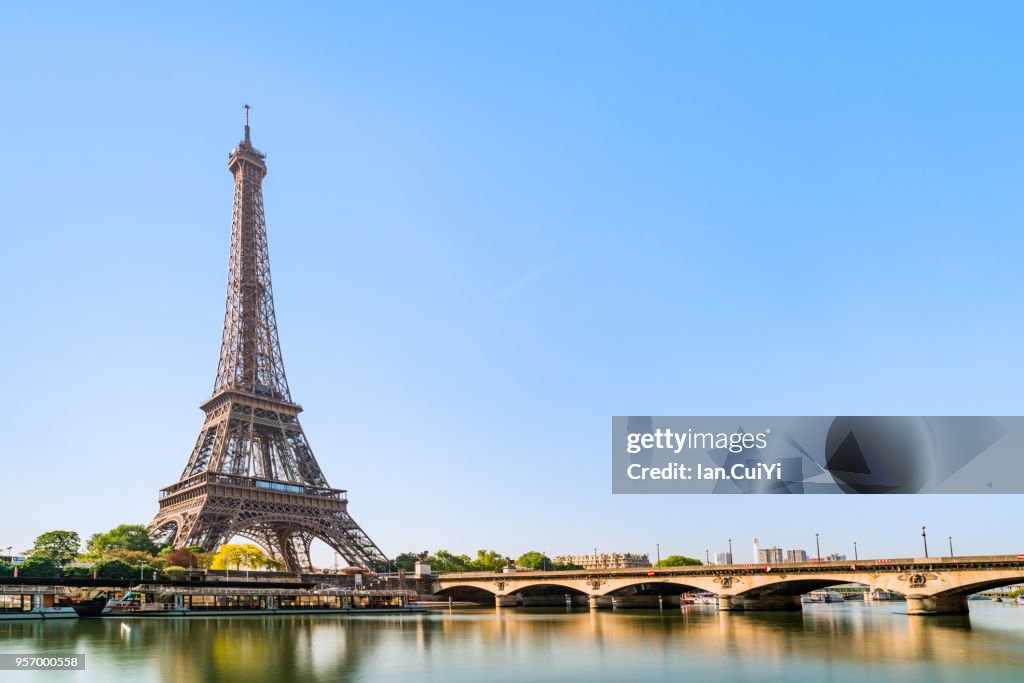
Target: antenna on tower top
[[246, 123]]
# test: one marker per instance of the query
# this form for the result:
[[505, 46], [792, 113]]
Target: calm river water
[[844, 642]]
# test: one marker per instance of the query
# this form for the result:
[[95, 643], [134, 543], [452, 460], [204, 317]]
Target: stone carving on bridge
[[500, 584], [596, 583], [917, 580], [725, 581]]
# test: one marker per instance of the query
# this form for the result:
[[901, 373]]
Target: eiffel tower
[[252, 472]]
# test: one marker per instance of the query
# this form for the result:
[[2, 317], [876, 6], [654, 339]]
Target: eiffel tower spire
[[252, 472], [250, 354]]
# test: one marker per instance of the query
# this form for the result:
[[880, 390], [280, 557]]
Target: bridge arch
[[649, 587], [469, 592], [804, 585], [548, 588], [980, 586]]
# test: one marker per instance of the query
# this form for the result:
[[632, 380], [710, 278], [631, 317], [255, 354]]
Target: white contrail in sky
[[530, 277]]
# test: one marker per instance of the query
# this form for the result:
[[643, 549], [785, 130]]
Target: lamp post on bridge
[[707, 556], [855, 558], [951, 547], [924, 539], [658, 546], [817, 546], [730, 551]]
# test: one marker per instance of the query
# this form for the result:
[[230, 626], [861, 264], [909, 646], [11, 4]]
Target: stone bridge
[[931, 585]]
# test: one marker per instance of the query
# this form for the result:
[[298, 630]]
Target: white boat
[[822, 596], [34, 602], [881, 595], [698, 598], [209, 601], [1020, 599]]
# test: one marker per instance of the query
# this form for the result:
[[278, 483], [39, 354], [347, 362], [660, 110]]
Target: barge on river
[[34, 602], [172, 601]]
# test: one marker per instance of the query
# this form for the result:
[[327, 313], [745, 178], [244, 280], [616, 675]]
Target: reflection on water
[[824, 642]]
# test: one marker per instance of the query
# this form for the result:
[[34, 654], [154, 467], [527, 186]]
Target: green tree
[[535, 560], [124, 537], [203, 559], [406, 561], [59, 546], [487, 561], [115, 569], [173, 573], [443, 562], [38, 566], [678, 561], [6, 568], [77, 572], [136, 557], [564, 566]]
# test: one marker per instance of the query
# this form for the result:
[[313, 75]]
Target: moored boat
[[882, 595], [34, 602], [822, 596], [705, 599], [90, 607], [166, 601]]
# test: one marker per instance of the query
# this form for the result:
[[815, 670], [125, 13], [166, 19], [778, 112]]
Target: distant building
[[769, 556], [796, 556], [723, 558], [835, 557], [606, 561]]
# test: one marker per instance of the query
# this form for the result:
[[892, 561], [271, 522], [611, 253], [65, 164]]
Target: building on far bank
[[769, 556], [606, 561], [835, 557], [723, 558], [796, 555]]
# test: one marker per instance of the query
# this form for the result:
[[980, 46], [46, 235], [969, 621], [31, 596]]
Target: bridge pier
[[552, 600], [923, 605], [639, 601], [600, 601], [504, 601], [728, 603], [759, 602]]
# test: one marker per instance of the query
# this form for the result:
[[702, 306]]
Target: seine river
[[843, 642]]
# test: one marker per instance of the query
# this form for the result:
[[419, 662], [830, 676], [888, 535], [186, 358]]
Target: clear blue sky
[[491, 229]]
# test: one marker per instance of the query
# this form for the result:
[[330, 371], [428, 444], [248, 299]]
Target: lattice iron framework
[[252, 472]]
